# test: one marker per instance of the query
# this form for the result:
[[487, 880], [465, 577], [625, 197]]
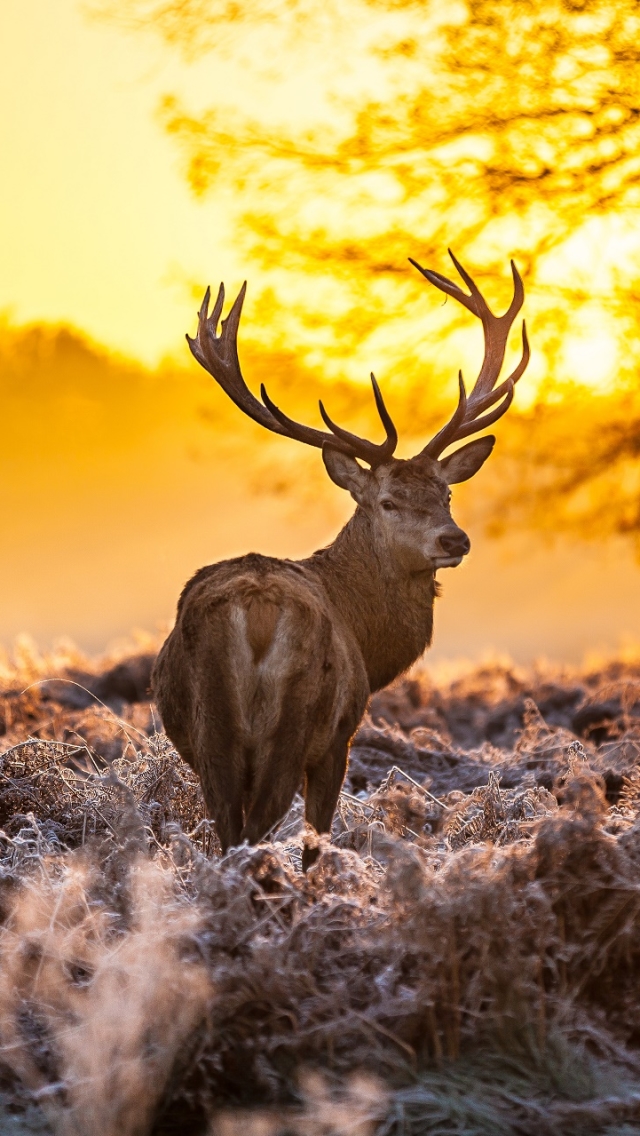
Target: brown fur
[[262, 620], [268, 670]]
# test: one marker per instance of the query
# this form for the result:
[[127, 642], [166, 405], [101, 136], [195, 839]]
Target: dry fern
[[462, 957]]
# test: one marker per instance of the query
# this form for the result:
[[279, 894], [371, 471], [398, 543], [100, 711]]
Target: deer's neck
[[388, 610]]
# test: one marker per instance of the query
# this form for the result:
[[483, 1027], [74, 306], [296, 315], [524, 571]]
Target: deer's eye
[[388, 506]]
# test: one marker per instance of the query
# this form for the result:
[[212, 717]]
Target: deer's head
[[407, 502]]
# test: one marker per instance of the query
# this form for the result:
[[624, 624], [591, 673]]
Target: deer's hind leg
[[205, 741], [278, 766], [289, 704], [323, 783], [220, 752], [214, 754], [222, 789], [271, 798]]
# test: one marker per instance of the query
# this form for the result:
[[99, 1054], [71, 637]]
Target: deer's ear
[[346, 472], [462, 464]]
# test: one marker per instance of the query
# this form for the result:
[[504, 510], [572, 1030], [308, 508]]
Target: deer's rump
[[254, 684]]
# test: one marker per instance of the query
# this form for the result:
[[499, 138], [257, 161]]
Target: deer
[[268, 670]]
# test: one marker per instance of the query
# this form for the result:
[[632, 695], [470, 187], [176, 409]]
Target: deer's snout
[[454, 542]]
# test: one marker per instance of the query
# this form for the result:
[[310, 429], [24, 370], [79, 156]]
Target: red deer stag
[[268, 670]]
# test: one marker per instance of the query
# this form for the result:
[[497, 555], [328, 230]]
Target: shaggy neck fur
[[388, 610]]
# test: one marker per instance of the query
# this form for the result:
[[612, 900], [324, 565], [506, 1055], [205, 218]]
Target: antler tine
[[446, 285], [483, 402], [448, 433], [296, 430], [478, 424], [496, 330], [218, 354], [368, 451], [477, 302], [391, 432], [218, 306]]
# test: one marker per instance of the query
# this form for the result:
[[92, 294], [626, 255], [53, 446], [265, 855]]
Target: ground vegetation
[[462, 958]]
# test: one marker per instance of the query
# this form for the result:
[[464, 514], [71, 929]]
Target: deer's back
[[256, 638]]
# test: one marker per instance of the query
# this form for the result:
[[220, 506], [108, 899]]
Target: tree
[[505, 127]]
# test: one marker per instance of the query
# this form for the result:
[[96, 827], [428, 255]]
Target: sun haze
[[157, 147], [98, 228]]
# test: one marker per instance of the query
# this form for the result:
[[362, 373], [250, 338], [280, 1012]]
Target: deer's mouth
[[447, 561]]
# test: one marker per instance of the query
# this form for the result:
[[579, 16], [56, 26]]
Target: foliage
[[462, 957], [504, 129]]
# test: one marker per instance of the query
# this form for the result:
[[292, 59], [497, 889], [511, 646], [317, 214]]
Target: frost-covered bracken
[[462, 957]]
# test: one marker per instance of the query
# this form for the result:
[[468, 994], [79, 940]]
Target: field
[[462, 958]]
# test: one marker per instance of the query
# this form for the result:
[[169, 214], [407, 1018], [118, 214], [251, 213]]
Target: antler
[[218, 354], [470, 416]]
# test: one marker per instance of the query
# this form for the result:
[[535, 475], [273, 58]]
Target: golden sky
[[99, 229], [120, 479], [97, 226]]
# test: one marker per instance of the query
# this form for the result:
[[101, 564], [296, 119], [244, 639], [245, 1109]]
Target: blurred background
[[151, 147]]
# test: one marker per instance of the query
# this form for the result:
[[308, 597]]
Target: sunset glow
[[148, 161]]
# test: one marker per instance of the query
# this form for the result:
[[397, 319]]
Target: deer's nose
[[455, 542]]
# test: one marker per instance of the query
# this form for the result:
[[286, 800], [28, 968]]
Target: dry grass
[[462, 958]]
